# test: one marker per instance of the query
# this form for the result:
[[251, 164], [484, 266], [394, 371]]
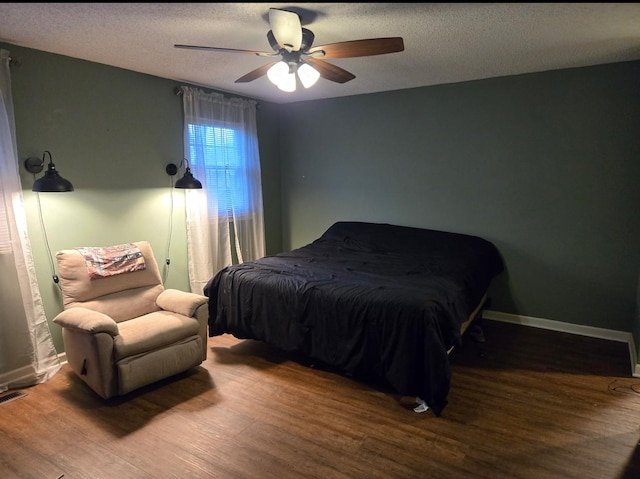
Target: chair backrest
[[122, 295]]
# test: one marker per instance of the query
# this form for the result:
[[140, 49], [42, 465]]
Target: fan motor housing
[[307, 40]]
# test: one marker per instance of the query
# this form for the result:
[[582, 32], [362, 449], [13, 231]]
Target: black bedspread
[[370, 299]]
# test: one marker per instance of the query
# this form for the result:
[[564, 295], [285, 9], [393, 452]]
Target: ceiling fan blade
[[286, 28], [330, 72], [359, 48], [227, 50], [255, 74]]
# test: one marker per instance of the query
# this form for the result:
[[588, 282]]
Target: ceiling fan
[[294, 44]]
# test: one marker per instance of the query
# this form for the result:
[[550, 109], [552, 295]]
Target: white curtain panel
[[222, 224], [27, 353]]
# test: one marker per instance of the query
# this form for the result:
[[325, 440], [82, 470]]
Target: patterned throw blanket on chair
[[106, 261]]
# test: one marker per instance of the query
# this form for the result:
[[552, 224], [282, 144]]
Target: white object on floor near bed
[[421, 407]]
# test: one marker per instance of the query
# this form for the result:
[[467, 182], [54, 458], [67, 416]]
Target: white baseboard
[[23, 374], [16, 376], [609, 334]]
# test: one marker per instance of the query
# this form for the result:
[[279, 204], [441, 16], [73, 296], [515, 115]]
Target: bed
[[372, 300]]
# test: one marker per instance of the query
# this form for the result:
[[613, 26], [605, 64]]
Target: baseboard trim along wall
[[25, 373], [610, 334], [16, 376]]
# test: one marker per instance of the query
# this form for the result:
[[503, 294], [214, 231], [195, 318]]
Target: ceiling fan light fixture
[[288, 83], [277, 72], [279, 75], [293, 43], [308, 75]]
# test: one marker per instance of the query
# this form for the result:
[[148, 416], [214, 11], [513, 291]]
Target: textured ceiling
[[444, 42]]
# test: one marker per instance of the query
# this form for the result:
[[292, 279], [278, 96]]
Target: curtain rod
[[178, 91]]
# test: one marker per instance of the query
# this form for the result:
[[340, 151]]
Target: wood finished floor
[[528, 403]]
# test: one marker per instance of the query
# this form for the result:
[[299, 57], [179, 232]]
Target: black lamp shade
[[52, 182], [188, 181]]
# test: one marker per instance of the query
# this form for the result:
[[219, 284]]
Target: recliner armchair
[[121, 328]]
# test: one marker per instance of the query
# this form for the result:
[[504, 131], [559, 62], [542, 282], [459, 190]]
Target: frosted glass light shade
[[308, 75], [280, 77], [288, 83], [277, 72]]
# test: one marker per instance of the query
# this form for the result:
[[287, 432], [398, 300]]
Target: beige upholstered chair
[[121, 328]]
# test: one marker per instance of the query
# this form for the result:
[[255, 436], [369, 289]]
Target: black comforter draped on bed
[[370, 299]]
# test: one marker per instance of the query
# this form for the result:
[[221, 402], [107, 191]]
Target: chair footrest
[[147, 368]]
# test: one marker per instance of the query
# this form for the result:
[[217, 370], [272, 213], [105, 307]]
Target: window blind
[[219, 151]]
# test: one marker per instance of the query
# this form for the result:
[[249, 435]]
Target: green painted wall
[[545, 165], [111, 132]]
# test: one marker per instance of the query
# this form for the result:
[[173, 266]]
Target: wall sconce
[[51, 181], [187, 182]]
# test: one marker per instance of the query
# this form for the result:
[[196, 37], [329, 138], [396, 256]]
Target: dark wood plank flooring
[[527, 403]]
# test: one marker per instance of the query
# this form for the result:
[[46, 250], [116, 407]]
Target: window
[[221, 146], [220, 151]]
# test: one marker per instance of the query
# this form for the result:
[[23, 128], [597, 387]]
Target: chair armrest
[[180, 302], [86, 320]]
